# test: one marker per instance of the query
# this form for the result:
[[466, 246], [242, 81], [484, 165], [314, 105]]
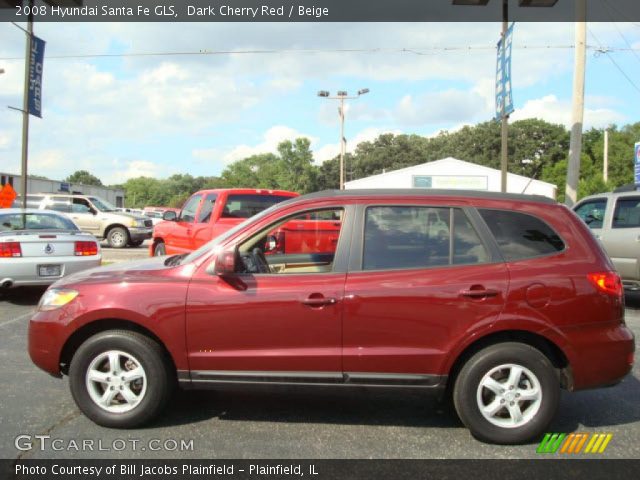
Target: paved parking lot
[[114, 255], [274, 424]]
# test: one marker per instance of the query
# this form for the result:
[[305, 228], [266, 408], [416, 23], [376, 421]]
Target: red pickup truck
[[207, 214]]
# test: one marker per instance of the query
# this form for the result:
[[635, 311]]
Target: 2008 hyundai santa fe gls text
[[500, 299]]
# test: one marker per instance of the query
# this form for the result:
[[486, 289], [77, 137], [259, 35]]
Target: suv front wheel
[[120, 378], [507, 393], [118, 237]]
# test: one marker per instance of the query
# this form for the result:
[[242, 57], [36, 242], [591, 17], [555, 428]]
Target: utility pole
[[342, 96], [504, 157], [577, 117], [605, 170], [25, 107]]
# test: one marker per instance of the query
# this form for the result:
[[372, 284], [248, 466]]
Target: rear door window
[[592, 212], [520, 235], [627, 213], [248, 205], [401, 237]]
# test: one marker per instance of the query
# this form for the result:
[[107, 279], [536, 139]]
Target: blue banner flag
[[503, 76], [36, 63], [636, 163]]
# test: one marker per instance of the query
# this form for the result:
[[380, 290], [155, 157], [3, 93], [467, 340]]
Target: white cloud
[[137, 168], [553, 110], [269, 144], [448, 106]]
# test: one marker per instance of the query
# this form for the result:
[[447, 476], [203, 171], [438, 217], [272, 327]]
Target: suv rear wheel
[[507, 393], [118, 237], [120, 378]]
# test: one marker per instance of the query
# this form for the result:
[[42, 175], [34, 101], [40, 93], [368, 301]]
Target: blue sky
[[120, 117]]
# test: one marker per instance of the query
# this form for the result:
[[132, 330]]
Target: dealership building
[[39, 185], [451, 173]]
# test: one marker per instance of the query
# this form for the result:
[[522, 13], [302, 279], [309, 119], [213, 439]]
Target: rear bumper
[[137, 234], [601, 355], [23, 271]]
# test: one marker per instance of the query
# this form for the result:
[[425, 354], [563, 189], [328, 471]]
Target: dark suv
[[502, 300]]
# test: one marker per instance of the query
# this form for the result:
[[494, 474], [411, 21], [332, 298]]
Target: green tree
[[83, 177]]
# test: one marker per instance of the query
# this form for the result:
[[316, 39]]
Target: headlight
[[56, 298], [137, 223]]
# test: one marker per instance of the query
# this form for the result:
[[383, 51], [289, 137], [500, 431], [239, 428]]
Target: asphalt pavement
[[38, 418]]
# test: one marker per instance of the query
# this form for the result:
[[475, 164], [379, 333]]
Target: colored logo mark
[[574, 443]]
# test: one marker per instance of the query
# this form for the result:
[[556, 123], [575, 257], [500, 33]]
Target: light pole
[[342, 96], [505, 24]]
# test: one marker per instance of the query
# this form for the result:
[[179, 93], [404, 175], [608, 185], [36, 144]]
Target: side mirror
[[169, 216], [225, 263]]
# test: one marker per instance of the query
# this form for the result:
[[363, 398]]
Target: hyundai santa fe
[[499, 300]]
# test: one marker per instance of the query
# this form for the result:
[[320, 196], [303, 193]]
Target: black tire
[[159, 249], [466, 393], [118, 237], [137, 243], [158, 385]]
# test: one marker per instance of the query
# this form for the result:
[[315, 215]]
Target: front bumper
[[136, 234], [46, 338]]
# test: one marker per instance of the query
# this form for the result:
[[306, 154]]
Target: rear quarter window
[[520, 235]]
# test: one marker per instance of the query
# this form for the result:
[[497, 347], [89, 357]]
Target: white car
[[37, 247]]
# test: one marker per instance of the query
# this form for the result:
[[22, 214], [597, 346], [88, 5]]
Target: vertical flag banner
[[636, 163], [36, 64], [503, 75]]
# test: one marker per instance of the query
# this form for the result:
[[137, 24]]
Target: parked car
[[502, 299], [209, 213], [38, 247], [614, 218], [156, 217], [97, 216]]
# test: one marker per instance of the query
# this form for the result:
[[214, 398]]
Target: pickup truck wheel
[[159, 250], [118, 237], [120, 379], [507, 393]]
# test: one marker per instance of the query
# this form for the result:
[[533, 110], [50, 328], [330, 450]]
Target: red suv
[[500, 299]]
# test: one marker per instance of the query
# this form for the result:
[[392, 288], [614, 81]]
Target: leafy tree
[[83, 177]]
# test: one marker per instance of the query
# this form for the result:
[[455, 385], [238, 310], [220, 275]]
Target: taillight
[[86, 248], [607, 282], [10, 249]]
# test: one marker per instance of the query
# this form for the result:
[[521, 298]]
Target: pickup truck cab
[[614, 219], [207, 214]]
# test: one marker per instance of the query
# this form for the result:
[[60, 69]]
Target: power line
[[413, 51], [606, 52], [606, 3]]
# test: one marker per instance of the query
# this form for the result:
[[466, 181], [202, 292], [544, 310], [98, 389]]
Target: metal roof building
[[453, 174]]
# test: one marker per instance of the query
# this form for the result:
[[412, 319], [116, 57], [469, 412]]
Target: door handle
[[319, 301], [480, 293]]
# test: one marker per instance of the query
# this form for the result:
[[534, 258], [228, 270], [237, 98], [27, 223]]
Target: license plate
[[49, 270]]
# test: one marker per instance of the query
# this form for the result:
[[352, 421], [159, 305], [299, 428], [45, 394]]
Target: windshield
[[102, 205], [229, 233]]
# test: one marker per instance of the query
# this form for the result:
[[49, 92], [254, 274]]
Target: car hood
[[147, 270], [127, 215]]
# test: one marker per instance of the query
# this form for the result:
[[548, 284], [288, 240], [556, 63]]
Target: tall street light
[[505, 25], [342, 96]]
